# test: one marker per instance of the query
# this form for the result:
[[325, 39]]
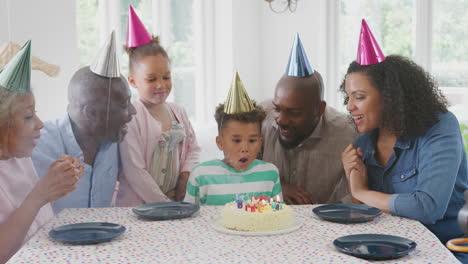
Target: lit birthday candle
[[272, 203]]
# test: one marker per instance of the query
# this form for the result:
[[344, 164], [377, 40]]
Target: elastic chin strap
[[108, 107]]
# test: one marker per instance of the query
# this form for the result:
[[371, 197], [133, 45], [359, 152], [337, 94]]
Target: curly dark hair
[[411, 98], [135, 54], [257, 115]]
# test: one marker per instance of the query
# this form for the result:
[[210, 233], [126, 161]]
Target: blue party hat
[[298, 64], [16, 76]]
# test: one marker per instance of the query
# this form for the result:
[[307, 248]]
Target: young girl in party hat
[[160, 149]]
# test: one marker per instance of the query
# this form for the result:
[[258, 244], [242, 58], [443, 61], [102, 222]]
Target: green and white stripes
[[215, 183]]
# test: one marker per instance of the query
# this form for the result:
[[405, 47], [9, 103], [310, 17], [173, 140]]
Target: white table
[[193, 240]]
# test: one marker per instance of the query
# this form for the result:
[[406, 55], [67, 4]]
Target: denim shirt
[[426, 175], [96, 187]]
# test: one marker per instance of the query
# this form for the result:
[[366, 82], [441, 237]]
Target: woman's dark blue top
[[427, 175]]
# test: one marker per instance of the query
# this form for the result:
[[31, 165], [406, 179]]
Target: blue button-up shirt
[[96, 187], [427, 175]]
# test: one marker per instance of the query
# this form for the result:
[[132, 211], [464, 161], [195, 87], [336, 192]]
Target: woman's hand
[[350, 158], [358, 178], [59, 180], [355, 170]]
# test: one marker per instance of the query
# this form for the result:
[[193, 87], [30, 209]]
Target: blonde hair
[[7, 105]]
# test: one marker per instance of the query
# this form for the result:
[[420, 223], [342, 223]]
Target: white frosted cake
[[257, 215]]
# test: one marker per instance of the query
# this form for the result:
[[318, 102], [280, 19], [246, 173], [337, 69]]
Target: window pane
[[450, 38], [86, 21], [390, 22], [181, 53]]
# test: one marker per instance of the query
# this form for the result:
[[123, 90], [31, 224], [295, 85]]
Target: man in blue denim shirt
[[99, 109]]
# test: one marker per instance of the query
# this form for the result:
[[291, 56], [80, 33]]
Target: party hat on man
[[16, 76], [106, 62], [298, 64], [137, 35], [369, 51], [237, 101]]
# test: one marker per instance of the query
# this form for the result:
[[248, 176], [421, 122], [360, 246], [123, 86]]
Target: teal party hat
[[16, 76]]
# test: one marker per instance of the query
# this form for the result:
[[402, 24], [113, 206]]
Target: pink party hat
[[136, 31], [369, 51]]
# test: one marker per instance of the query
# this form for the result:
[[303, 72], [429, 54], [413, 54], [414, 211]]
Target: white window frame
[[203, 13], [422, 47]]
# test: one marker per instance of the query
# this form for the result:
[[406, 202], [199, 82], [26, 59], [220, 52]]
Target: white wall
[[252, 39], [243, 35], [277, 33], [50, 24], [248, 37]]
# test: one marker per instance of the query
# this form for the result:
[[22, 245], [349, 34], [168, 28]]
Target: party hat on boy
[[298, 64], [136, 31], [237, 101], [369, 51], [16, 76], [106, 62]]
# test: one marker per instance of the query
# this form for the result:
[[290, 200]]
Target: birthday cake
[[257, 215]]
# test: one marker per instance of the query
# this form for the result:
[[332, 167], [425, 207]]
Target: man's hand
[[295, 194]]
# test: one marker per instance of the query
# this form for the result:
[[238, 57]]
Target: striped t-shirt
[[215, 183]]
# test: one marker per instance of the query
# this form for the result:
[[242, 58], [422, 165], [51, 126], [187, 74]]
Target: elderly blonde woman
[[25, 200]]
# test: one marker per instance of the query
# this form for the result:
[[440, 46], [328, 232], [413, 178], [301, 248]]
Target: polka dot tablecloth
[[193, 240]]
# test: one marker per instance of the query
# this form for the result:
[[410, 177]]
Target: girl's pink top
[[136, 150], [17, 178]]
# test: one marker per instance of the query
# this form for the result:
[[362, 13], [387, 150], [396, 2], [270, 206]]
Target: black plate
[[374, 246], [347, 213], [166, 210], [86, 233]]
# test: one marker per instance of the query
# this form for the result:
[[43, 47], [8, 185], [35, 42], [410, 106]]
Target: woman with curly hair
[[409, 160]]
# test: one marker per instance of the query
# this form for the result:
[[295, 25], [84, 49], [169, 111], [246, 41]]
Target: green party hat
[[16, 76]]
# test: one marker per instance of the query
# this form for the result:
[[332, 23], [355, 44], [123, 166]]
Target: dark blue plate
[[86, 233], [166, 210], [374, 246], [347, 213]]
